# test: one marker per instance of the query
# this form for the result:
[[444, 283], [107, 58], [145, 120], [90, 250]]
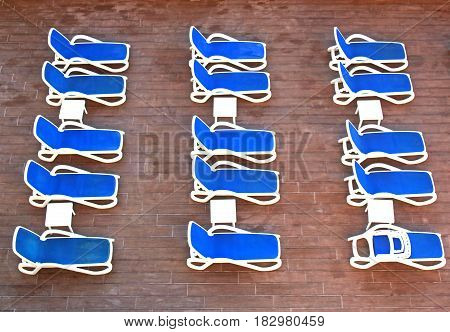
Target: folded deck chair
[[66, 183], [393, 87], [390, 56], [218, 48], [256, 186], [226, 244], [413, 187], [257, 146], [98, 144], [389, 243], [373, 141], [251, 86], [104, 89], [61, 249], [82, 50]]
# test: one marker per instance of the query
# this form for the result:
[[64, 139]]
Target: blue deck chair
[[219, 48], [82, 50], [251, 86], [393, 87], [389, 243], [63, 250], [226, 244], [66, 183], [226, 178], [390, 56], [108, 90], [257, 146], [413, 187], [98, 144], [373, 141]]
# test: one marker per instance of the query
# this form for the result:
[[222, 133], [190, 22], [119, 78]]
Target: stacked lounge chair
[[379, 182], [223, 66], [67, 81]]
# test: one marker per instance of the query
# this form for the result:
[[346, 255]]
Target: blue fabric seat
[[72, 253], [87, 142], [79, 186], [232, 50], [236, 247]]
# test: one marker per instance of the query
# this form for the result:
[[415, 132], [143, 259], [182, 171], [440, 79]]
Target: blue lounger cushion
[[61, 250], [233, 81], [390, 142], [233, 139], [234, 246], [78, 139], [247, 181], [92, 51], [96, 85], [234, 50], [423, 245], [76, 185], [370, 50], [378, 82], [395, 182]]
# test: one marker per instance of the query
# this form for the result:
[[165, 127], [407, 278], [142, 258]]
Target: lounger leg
[[47, 155], [28, 268], [198, 263], [53, 98]]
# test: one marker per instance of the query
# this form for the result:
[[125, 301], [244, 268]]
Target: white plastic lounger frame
[[359, 197], [351, 152], [48, 154], [365, 262], [337, 56], [344, 96], [40, 200], [200, 94], [31, 268], [55, 98], [241, 63], [199, 262], [104, 64], [206, 154], [201, 194]]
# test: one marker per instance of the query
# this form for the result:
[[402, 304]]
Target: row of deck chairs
[[57, 248], [224, 66], [378, 181]]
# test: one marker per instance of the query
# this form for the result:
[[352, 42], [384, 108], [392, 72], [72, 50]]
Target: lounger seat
[[244, 85], [390, 56], [229, 179], [373, 141], [392, 87], [413, 187], [389, 243], [112, 57], [66, 183], [219, 48], [64, 250], [254, 145], [226, 244], [96, 144], [104, 89]]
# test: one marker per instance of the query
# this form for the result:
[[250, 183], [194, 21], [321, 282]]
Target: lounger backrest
[[347, 78], [203, 133], [202, 76], [362, 177], [55, 78], [27, 244], [199, 41], [340, 41], [205, 174], [39, 178], [61, 44], [47, 132], [354, 135]]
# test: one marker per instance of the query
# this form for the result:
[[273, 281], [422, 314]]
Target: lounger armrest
[[373, 127], [74, 124], [226, 228], [363, 69], [359, 36], [49, 232], [68, 168], [84, 37], [226, 124], [227, 163], [382, 166], [222, 66], [80, 70], [220, 36]]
